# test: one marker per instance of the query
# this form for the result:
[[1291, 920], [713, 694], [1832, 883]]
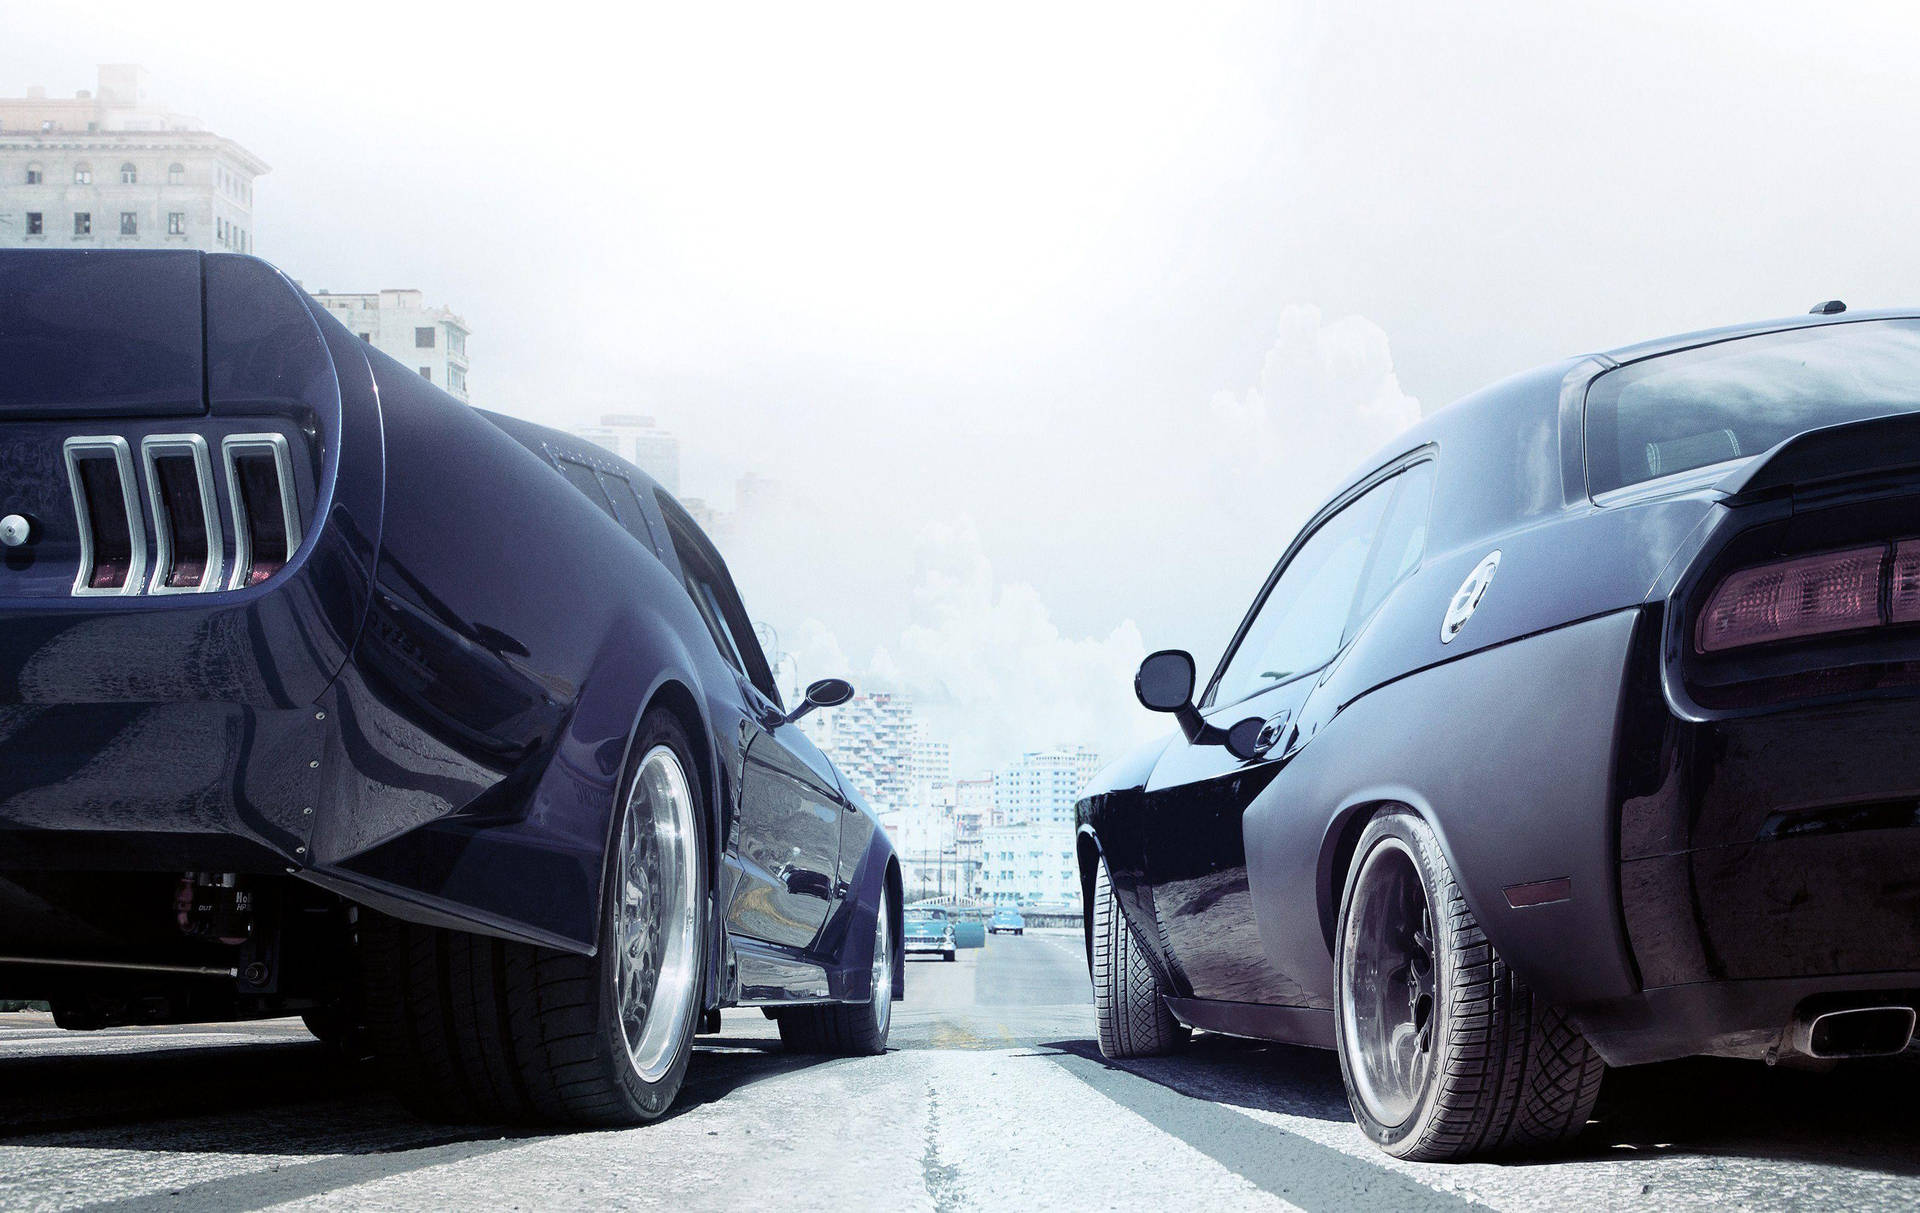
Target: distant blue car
[[1006, 918]]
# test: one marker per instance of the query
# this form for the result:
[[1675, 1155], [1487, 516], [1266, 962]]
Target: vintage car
[[928, 929], [1007, 919], [324, 693], [1581, 726]]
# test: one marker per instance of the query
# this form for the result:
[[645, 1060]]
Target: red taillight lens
[[1809, 596], [1904, 600]]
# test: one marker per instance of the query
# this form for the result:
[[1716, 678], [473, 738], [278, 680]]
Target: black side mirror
[[1165, 684], [826, 693]]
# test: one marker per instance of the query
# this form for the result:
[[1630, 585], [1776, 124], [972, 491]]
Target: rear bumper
[[1767, 860], [927, 945]]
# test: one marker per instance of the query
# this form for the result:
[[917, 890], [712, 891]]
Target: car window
[[1402, 543], [925, 916], [1298, 627], [627, 508], [587, 481], [711, 589], [1735, 399]]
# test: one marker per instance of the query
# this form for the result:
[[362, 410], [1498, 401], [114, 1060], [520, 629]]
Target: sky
[[1055, 321]]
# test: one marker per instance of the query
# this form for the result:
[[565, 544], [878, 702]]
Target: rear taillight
[[1806, 596], [113, 539], [1903, 595], [266, 516], [186, 520]]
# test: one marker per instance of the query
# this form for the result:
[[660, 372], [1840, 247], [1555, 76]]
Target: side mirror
[[1165, 681], [826, 693], [1165, 684]]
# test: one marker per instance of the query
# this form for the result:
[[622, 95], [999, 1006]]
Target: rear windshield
[[926, 916], [1737, 398]]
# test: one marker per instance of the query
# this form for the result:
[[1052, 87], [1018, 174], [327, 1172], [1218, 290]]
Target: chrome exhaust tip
[[1854, 1032]]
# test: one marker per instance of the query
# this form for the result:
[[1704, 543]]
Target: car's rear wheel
[[474, 1028], [1445, 1051], [849, 1029], [1129, 1001]]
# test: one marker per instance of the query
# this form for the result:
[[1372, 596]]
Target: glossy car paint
[[1680, 852], [428, 710]]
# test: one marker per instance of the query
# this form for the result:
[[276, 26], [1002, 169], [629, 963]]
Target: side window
[[587, 481], [626, 504], [715, 598], [1402, 543], [1299, 626]]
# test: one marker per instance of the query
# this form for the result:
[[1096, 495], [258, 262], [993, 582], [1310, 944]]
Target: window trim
[[680, 524], [1421, 454]]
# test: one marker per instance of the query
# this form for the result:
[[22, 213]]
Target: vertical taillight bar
[[113, 538], [266, 514], [189, 549]]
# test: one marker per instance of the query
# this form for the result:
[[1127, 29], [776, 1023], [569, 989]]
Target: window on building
[[83, 223], [176, 223], [426, 373], [220, 230], [176, 174], [129, 175], [129, 223], [83, 174], [34, 224], [34, 176], [423, 338]]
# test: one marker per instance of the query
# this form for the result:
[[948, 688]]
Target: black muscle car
[[324, 693], [1580, 727]]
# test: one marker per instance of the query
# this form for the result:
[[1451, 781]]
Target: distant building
[[108, 168], [398, 323], [1029, 863], [639, 441], [972, 807], [870, 739], [1041, 788]]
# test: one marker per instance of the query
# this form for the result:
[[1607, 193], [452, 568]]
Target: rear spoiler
[[153, 333], [1849, 454]]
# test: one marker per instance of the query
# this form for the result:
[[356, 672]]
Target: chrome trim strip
[[151, 448], [230, 447], [116, 446]]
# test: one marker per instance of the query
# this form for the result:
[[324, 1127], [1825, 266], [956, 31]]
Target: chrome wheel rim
[[882, 966], [1388, 975], [656, 924]]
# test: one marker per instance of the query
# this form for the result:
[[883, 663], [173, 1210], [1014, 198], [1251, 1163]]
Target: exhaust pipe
[[1854, 1032]]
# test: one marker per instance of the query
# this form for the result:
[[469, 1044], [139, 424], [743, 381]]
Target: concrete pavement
[[994, 1098]]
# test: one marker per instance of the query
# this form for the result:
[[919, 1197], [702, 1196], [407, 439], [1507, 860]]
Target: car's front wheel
[[1129, 1002], [1446, 1053], [469, 1027]]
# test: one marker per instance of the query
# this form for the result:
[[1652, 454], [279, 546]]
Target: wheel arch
[[1087, 852]]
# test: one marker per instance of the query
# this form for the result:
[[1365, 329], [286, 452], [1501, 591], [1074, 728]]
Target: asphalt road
[[994, 1097]]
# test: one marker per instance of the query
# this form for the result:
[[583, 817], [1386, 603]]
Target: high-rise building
[[108, 168], [1042, 786], [870, 739], [398, 323], [636, 439]]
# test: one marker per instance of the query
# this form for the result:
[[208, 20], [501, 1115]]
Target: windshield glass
[[925, 916], [1737, 398]]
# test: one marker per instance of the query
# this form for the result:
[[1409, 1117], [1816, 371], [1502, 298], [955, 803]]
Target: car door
[[783, 840], [1197, 796]]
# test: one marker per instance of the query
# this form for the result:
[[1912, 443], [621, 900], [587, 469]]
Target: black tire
[[1129, 1001], [1494, 1070], [849, 1029], [472, 1028]]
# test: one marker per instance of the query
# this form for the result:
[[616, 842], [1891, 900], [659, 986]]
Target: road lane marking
[[1297, 1169]]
